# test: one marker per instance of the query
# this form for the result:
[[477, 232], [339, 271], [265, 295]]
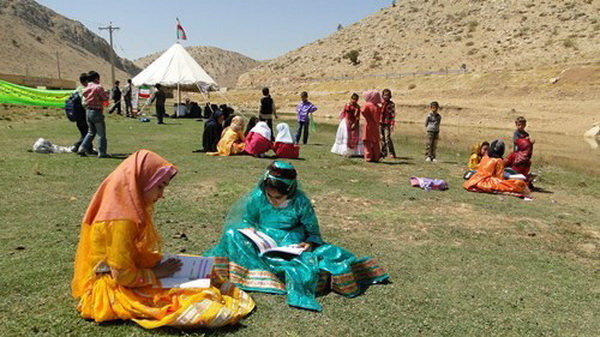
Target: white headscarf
[[283, 134], [262, 129]]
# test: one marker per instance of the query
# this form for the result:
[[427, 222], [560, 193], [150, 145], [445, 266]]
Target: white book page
[[261, 240], [291, 249], [194, 273]]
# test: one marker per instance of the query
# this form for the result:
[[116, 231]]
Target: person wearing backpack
[[75, 110], [94, 98]]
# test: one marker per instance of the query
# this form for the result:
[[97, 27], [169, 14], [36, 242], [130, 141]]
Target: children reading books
[[118, 262], [278, 208]]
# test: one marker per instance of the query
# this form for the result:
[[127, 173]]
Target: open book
[[267, 245], [194, 273]]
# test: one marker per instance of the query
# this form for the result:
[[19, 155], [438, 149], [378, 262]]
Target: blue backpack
[[74, 107]]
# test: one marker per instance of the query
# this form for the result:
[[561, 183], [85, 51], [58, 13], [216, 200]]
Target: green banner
[[11, 93]]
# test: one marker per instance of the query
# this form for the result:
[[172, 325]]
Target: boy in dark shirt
[[160, 97], [520, 133], [267, 110]]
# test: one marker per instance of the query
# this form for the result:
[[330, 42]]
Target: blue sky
[[260, 29]]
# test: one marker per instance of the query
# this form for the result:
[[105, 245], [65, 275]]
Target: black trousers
[[160, 113], [82, 126], [302, 126], [117, 106]]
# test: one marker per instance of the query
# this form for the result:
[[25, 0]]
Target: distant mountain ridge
[[32, 35], [421, 35], [224, 66]]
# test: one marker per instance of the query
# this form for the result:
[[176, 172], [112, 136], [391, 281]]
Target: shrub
[[352, 56], [470, 43], [568, 43], [412, 86], [472, 26]]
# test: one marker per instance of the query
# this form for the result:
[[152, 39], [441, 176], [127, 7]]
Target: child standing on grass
[[432, 125], [94, 99], [267, 109], [388, 116], [304, 109], [520, 133], [371, 112]]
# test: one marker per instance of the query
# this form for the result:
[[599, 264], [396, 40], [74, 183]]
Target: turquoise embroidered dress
[[326, 267]]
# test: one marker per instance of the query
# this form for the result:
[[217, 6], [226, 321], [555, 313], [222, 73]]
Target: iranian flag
[[180, 32]]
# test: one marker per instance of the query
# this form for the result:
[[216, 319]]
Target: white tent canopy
[[175, 68]]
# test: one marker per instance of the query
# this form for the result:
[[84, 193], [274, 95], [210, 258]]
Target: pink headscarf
[[373, 96]]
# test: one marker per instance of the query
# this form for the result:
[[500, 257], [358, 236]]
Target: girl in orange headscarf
[[372, 114], [118, 262]]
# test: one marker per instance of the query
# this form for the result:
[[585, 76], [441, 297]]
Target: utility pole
[[110, 29], [58, 64]]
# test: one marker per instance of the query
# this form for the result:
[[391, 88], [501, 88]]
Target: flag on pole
[[180, 32]]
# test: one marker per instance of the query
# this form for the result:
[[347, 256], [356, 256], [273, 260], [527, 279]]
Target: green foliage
[[352, 55]]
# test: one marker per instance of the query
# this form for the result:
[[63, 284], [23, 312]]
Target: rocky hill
[[32, 35], [430, 35], [223, 66]]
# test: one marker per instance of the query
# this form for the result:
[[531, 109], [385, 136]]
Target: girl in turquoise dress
[[278, 208]]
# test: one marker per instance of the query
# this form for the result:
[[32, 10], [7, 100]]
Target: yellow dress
[[119, 246], [475, 158], [122, 286], [231, 143]]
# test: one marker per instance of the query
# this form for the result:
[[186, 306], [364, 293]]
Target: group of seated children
[[373, 140], [256, 141], [120, 267], [490, 173]]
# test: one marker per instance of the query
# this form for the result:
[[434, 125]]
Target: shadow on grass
[[168, 330], [396, 163], [119, 155], [541, 190]]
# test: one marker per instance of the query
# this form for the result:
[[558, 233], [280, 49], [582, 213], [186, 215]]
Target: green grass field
[[461, 264]]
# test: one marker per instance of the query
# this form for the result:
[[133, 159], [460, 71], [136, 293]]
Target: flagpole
[[178, 88]]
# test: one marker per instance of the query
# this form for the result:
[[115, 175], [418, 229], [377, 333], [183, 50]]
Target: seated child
[[284, 146], [232, 139], [489, 177], [258, 141], [478, 151]]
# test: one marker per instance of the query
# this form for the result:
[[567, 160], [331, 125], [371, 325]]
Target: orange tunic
[[490, 179]]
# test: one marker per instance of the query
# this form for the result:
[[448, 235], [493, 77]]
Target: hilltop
[[419, 36], [224, 66], [32, 35]]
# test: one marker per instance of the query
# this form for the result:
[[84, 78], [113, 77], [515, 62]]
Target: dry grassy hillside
[[421, 35], [223, 66], [32, 35]]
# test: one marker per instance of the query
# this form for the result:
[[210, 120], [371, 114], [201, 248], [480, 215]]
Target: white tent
[[176, 68]]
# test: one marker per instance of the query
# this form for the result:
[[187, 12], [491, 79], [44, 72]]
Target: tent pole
[[178, 99]]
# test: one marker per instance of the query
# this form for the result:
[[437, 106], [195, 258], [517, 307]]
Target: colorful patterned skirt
[[326, 268]]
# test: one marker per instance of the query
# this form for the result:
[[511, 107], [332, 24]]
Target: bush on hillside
[[352, 56]]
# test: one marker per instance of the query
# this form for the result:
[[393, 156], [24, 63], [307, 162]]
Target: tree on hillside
[[352, 56]]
